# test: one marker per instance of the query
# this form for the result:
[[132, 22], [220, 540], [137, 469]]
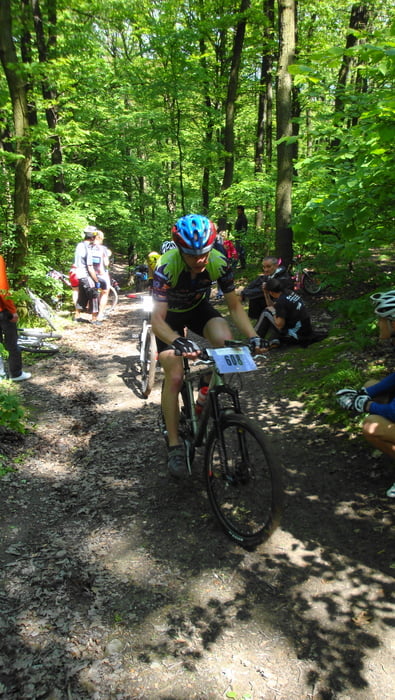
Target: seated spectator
[[378, 400], [254, 292], [285, 318]]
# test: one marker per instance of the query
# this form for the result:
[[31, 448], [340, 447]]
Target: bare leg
[[103, 303], [380, 432], [217, 331], [174, 374]]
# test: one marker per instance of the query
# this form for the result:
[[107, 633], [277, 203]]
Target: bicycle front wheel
[[41, 347], [243, 481], [148, 365], [311, 283]]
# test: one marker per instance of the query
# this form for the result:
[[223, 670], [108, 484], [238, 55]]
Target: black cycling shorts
[[195, 320]]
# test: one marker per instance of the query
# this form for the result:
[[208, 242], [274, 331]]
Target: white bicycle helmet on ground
[[384, 303]]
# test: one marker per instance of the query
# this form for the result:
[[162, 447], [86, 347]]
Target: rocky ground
[[116, 582]]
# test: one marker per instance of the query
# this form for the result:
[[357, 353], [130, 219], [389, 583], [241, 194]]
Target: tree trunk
[[287, 33], [358, 20], [230, 105], [17, 88], [45, 49], [208, 137], [263, 142]]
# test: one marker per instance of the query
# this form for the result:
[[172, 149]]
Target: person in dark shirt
[[286, 319], [241, 225], [181, 281], [8, 329], [254, 292]]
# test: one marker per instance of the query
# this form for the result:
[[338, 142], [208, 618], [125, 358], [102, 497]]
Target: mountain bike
[[242, 477], [308, 280], [146, 346]]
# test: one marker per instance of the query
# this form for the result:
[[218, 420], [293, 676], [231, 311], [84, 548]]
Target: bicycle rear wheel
[[112, 300], [148, 364], [243, 481], [311, 283]]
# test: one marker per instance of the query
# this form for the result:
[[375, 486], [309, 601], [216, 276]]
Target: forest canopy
[[128, 114]]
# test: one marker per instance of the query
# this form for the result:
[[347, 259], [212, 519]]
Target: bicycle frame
[[212, 406], [211, 409]]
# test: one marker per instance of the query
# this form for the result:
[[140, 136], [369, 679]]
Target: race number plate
[[230, 360]]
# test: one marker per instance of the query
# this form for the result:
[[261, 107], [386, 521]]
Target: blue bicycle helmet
[[194, 234]]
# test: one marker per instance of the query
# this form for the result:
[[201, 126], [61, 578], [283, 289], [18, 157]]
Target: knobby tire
[[245, 495], [148, 366], [311, 283]]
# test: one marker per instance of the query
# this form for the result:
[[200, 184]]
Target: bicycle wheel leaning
[[311, 283], [148, 362], [112, 300], [243, 481]]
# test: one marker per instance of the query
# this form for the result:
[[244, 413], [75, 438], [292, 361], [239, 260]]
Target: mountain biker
[[152, 259], [181, 281], [377, 399]]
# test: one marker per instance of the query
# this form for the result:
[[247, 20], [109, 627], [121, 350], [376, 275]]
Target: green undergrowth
[[12, 418], [12, 412], [313, 375]]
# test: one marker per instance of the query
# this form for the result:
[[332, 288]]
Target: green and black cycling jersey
[[174, 285]]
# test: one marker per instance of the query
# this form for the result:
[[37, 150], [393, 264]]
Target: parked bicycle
[[38, 340], [242, 476], [146, 346], [304, 278]]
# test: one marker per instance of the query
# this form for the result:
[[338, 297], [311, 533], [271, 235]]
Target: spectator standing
[[8, 328], [241, 226], [88, 282], [101, 263]]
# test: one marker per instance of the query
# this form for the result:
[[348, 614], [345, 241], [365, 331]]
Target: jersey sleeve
[[162, 278], [220, 270]]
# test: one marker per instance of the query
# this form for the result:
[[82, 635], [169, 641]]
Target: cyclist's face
[[196, 263]]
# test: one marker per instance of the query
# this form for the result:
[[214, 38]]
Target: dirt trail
[[117, 583]]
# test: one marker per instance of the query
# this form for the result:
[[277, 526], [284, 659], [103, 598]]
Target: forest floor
[[116, 582]]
